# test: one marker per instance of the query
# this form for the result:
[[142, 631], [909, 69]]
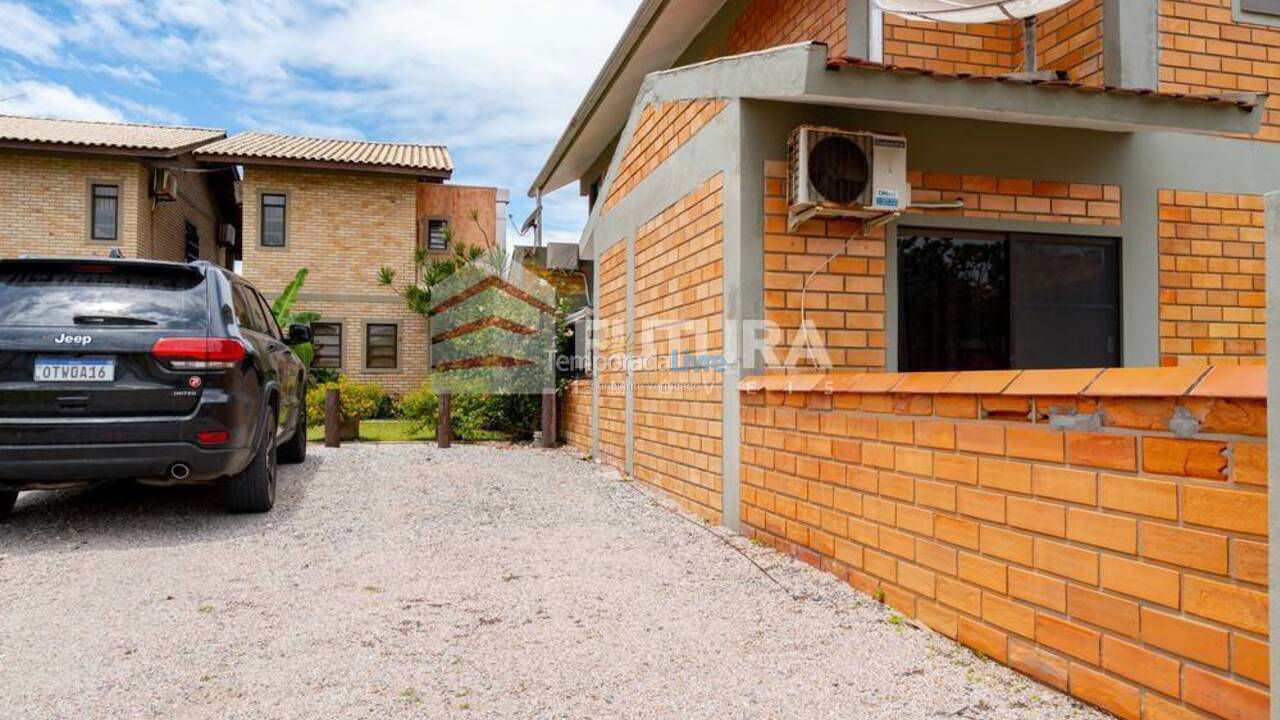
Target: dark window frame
[[368, 327], [191, 233], [284, 218], [1009, 238], [426, 234], [338, 325], [93, 211]]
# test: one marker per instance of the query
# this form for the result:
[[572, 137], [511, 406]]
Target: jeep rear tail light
[[198, 353]]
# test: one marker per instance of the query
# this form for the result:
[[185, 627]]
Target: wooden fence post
[[444, 424], [332, 419], [549, 429]]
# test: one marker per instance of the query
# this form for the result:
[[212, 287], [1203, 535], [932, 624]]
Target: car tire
[[7, 499], [253, 490], [294, 450]]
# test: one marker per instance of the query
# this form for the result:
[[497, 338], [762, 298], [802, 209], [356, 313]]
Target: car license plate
[[56, 369]]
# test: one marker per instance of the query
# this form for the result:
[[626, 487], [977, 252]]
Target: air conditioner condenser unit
[[845, 173]]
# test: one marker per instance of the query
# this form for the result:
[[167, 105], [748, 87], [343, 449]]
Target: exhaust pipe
[[179, 471]]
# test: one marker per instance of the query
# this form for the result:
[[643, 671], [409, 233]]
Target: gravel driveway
[[405, 581]]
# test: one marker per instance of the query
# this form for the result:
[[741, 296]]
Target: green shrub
[[360, 401], [419, 407], [475, 417]]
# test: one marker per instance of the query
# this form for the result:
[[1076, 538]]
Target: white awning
[[968, 11]]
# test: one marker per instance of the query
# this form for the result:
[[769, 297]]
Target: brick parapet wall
[[1102, 531], [661, 130], [1212, 278], [988, 49]]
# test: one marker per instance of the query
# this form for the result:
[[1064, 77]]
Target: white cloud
[[496, 80], [33, 97], [26, 33]]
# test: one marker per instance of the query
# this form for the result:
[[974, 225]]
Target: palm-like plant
[[286, 316]]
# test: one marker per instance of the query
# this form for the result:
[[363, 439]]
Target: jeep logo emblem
[[65, 339]]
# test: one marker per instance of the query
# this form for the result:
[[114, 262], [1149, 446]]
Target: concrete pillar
[[1273, 428]]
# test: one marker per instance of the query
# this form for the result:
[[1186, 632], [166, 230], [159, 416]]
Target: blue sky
[[495, 80]]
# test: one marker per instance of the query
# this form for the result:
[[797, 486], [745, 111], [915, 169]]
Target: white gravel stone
[[405, 581]]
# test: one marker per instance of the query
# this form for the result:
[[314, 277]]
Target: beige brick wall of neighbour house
[[1202, 49], [44, 203], [661, 130], [455, 203], [1069, 38], [1212, 278], [846, 300], [343, 227], [770, 23], [164, 236], [611, 350], [1118, 561], [679, 308], [575, 415]]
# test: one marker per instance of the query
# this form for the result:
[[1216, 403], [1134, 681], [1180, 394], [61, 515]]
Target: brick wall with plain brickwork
[[846, 299], [165, 238], [1203, 50], [610, 348], [575, 415], [1117, 561], [1212, 278], [769, 23], [679, 307], [44, 204], [342, 227], [662, 129]]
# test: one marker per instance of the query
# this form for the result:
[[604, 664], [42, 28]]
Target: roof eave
[[1039, 104], [85, 149], [442, 174]]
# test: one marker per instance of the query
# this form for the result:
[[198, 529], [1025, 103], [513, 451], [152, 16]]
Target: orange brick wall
[[662, 129], [991, 49], [845, 300], [1203, 50], [679, 307], [1212, 278], [770, 23], [575, 415], [611, 345], [1122, 564], [1069, 38], [986, 196], [456, 203]]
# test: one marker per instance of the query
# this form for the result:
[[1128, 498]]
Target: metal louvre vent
[[839, 169]]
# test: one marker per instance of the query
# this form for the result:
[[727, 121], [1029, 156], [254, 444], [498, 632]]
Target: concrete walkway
[[403, 581]]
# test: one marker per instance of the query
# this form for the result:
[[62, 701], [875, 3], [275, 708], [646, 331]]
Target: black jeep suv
[[161, 372]]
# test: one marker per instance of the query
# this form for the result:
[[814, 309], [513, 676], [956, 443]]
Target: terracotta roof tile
[[1052, 382], [1233, 381], [980, 382], [1145, 382], [396, 157], [1244, 101], [923, 382], [117, 136]]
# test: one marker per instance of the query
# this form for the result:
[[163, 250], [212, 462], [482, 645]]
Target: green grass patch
[[396, 431]]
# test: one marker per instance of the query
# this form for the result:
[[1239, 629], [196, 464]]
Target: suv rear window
[[88, 294]]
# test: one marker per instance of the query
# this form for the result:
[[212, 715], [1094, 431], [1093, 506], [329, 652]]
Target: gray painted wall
[[1273, 429]]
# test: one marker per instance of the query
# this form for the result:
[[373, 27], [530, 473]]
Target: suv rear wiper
[[111, 320]]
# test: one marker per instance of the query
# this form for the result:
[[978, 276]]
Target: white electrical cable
[[867, 228]]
